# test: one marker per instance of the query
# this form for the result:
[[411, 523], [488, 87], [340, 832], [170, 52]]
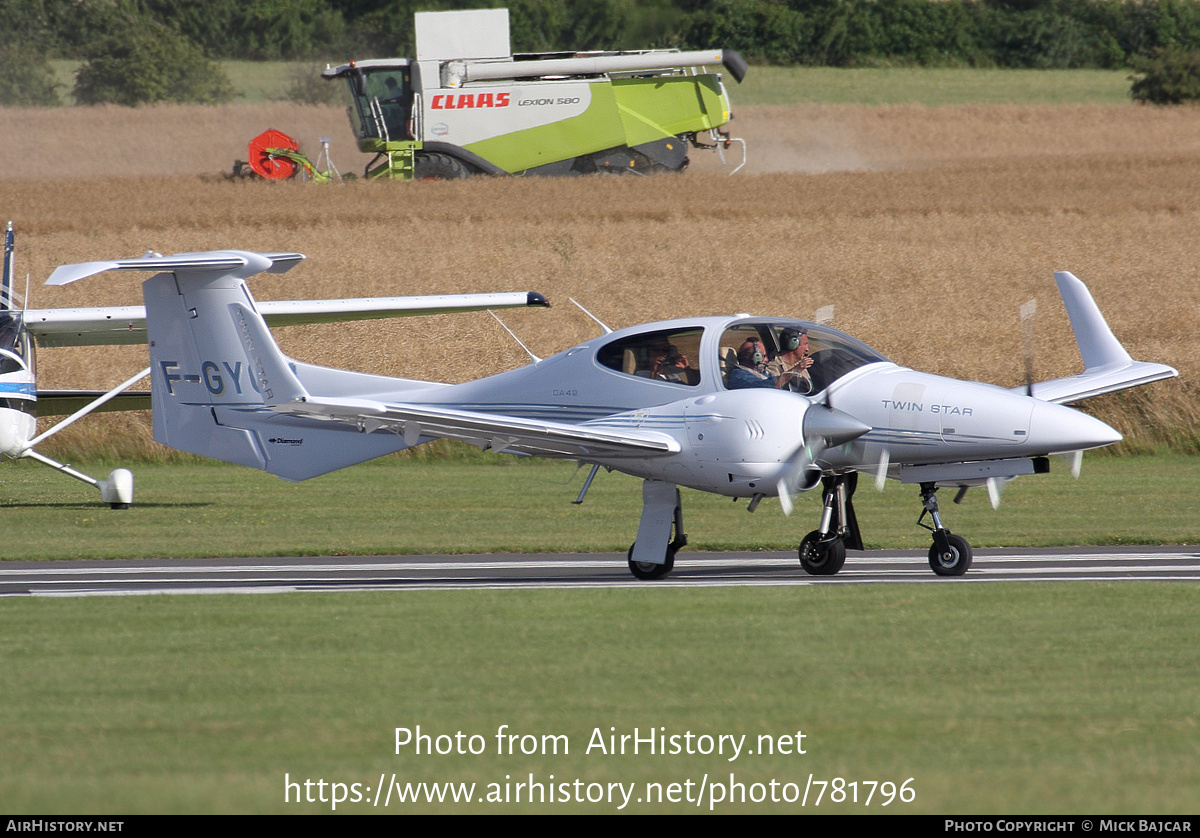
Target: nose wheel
[[950, 554], [953, 558]]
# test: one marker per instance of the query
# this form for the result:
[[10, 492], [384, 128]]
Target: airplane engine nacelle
[[810, 479], [741, 442]]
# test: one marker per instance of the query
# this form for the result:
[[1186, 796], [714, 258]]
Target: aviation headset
[[789, 339]]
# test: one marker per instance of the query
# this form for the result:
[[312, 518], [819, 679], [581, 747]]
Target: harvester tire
[[439, 167]]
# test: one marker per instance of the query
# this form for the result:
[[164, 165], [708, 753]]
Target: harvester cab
[[466, 105]]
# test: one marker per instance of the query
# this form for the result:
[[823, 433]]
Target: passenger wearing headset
[[793, 358]]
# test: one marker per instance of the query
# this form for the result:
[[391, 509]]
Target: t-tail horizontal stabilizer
[[238, 263], [1108, 368]]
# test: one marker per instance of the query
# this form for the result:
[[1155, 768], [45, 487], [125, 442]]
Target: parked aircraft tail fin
[[216, 372], [1107, 366]]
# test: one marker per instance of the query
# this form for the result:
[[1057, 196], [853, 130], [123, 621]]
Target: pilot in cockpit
[[749, 371], [793, 358]]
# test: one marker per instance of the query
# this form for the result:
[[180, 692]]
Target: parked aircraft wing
[[501, 433], [117, 325], [1107, 366], [65, 402]]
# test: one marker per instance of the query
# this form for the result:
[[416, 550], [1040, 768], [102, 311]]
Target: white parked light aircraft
[[22, 330], [660, 401]]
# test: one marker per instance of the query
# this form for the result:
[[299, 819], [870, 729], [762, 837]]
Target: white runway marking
[[574, 572]]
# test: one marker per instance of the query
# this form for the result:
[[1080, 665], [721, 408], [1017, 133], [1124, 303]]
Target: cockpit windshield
[[382, 101], [14, 343], [808, 357]]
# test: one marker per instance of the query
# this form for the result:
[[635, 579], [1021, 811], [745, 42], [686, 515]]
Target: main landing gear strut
[[950, 554], [652, 556], [823, 551]]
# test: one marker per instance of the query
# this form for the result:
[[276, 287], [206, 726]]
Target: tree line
[[164, 50]]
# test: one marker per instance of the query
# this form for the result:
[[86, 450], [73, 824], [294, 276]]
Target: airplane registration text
[[212, 374]]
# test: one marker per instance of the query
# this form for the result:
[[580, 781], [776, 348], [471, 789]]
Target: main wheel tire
[[821, 555], [955, 561], [648, 570], [434, 166]]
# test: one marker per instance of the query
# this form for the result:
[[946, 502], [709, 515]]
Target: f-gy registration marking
[[210, 374]]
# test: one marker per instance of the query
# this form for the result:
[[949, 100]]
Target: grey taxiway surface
[[576, 570]]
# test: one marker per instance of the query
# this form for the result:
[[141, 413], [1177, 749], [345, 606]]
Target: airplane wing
[[117, 325], [1101, 380], [500, 433], [1107, 366], [64, 402], [127, 324]]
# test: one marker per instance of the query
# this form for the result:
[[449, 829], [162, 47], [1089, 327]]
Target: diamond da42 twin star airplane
[[665, 402], [23, 330]]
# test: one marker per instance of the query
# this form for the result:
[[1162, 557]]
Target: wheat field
[[925, 227]]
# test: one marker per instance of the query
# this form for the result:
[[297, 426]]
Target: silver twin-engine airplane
[[23, 330], [742, 406]]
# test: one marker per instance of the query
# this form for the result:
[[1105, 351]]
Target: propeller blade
[[1028, 310], [822, 427], [993, 492], [824, 315], [785, 497], [1076, 463], [885, 458]]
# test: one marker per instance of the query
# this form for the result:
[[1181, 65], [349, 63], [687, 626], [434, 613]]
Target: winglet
[[1108, 368], [240, 263], [1098, 346]]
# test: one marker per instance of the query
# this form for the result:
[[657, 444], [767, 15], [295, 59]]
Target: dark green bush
[[26, 78], [149, 63], [1171, 77]]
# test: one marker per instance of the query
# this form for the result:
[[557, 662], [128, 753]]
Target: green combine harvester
[[466, 105]]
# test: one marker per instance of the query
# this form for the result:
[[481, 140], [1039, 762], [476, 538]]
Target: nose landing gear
[[950, 554]]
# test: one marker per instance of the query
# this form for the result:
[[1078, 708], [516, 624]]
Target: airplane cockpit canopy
[[16, 354], [833, 353], [673, 355]]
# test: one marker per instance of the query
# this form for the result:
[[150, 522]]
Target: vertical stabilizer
[[199, 364], [216, 373]]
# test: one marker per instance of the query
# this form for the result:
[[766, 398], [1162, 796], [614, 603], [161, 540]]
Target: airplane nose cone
[[835, 426], [1054, 428]]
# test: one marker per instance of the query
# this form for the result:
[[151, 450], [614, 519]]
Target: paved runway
[[576, 570]]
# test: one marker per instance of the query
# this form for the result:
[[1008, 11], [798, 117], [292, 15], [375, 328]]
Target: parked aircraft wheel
[[434, 166], [821, 555], [649, 570], [954, 561]]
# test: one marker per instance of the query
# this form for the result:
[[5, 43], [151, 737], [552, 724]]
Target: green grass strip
[[1007, 698], [498, 504]]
